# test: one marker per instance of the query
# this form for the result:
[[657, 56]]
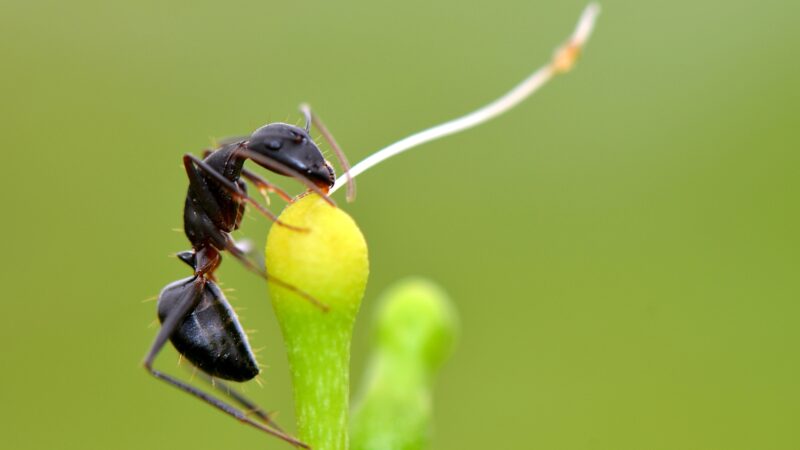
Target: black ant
[[194, 314]]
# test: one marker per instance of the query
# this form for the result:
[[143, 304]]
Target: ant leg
[[286, 170], [248, 405], [240, 255], [207, 200], [312, 118], [225, 407], [265, 187], [172, 321], [168, 327], [191, 162], [240, 142]]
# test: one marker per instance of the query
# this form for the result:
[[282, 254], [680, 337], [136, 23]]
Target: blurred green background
[[623, 248]]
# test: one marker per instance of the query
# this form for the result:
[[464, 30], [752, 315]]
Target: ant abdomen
[[210, 337]]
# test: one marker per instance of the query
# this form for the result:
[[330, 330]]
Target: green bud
[[416, 330], [330, 263]]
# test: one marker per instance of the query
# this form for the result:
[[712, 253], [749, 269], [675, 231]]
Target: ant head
[[292, 147]]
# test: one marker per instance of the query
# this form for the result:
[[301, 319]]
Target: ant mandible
[[194, 314]]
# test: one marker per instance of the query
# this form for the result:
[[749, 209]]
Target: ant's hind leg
[[225, 407], [249, 406], [171, 322], [190, 301], [193, 163]]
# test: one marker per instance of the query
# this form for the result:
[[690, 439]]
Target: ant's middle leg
[[193, 164]]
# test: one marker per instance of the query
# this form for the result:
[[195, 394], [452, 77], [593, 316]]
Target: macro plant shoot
[[316, 268]]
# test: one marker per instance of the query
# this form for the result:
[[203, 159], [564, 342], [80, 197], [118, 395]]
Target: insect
[[194, 314]]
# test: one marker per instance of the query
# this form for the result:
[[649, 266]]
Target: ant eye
[[274, 145]]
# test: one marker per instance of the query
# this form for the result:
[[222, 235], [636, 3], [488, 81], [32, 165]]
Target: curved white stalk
[[562, 61]]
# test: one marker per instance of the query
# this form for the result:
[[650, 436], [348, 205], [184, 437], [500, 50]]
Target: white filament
[[568, 52]]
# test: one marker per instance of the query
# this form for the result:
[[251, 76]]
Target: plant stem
[[320, 363], [329, 262], [416, 329]]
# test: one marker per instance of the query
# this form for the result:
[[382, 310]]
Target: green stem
[[320, 362], [330, 263], [416, 330]]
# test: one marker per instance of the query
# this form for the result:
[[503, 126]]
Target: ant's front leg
[[275, 166], [263, 186]]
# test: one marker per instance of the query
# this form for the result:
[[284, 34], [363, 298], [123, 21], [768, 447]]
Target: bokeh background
[[622, 248]]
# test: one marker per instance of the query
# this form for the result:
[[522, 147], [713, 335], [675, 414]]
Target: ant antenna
[[563, 60], [313, 118]]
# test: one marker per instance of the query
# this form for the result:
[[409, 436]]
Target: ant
[[194, 314]]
